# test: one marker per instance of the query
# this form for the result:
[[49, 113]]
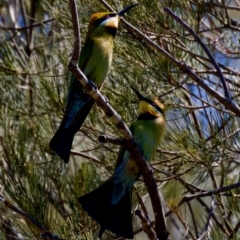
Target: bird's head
[[149, 105], [106, 22]]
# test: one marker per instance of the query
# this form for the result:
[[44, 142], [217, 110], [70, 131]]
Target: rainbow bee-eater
[[95, 61], [110, 204]]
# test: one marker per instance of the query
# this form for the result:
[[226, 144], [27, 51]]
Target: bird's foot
[[106, 99], [93, 84]]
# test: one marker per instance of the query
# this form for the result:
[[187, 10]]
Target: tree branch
[[193, 219], [146, 225], [140, 201], [27, 27], [235, 230], [209, 193], [131, 145], [77, 153], [211, 211], [107, 139]]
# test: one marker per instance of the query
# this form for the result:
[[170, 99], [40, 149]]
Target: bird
[[95, 62], [110, 203]]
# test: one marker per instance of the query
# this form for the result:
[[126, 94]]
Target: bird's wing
[[86, 53], [122, 150], [76, 89], [120, 156]]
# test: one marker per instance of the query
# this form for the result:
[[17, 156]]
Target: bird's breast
[[148, 134], [100, 61]]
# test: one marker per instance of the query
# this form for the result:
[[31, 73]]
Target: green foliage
[[199, 153]]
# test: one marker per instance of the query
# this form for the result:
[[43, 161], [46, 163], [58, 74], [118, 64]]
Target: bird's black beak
[[126, 9], [140, 96]]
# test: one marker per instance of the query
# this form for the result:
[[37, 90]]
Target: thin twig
[[77, 153], [219, 201], [172, 176], [15, 43], [193, 219], [191, 188], [112, 140], [27, 27], [221, 6], [174, 88], [169, 152], [146, 225], [226, 12], [235, 230], [210, 193], [211, 211], [195, 119], [206, 50], [45, 234], [205, 102], [23, 10], [135, 232], [140, 201]]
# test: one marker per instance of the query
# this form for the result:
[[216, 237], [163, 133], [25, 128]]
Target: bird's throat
[[146, 116], [111, 30]]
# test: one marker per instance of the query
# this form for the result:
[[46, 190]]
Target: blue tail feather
[[61, 142]]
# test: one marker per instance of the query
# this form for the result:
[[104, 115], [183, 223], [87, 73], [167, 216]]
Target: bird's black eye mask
[[154, 105], [100, 20]]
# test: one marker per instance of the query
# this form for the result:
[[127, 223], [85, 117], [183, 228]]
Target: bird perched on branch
[[110, 204], [95, 61]]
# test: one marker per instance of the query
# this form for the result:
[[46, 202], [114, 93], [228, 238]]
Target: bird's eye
[[158, 108], [102, 19], [109, 15], [154, 105]]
